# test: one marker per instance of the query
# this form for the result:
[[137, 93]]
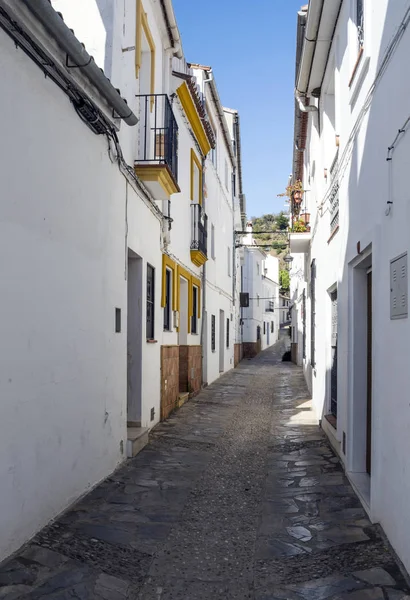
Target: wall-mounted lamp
[[288, 260]]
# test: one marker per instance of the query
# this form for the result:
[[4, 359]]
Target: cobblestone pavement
[[237, 496]]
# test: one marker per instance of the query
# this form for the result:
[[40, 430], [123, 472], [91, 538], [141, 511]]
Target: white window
[[229, 261], [213, 241]]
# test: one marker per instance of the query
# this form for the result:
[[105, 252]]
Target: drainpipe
[[304, 107], [172, 27], [55, 26]]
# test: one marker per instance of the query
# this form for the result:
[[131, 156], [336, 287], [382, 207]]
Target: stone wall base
[[181, 372], [238, 354], [251, 349], [169, 379]]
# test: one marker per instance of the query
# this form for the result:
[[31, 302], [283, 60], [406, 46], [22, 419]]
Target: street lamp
[[288, 260]]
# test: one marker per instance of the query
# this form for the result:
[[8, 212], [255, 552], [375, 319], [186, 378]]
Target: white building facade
[[106, 242], [260, 283], [284, 310], [349, 283]]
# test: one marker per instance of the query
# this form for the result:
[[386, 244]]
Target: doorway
[[134, 340], [333, 355], [359, 434], [183, 312], [221, 341]]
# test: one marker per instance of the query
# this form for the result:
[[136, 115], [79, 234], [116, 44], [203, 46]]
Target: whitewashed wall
[[63, 367], [64, 231], [365, 186], [257, 285]]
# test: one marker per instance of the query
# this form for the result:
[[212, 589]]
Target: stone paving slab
[[238, 496]]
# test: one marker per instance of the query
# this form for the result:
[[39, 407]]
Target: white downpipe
[[303, 107], [174, 28], [309, 45]]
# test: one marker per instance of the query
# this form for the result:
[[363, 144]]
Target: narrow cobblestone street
[[237, 496]]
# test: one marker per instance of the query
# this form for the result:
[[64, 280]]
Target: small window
[[257, 299], [213, 333], [227, 333], [168, 300], [272, 327], [213, 241], [258, 269], [229, 261], [264, 328], [150, 302], [226, 175], [258, 332], [283, 302], [194, 324]]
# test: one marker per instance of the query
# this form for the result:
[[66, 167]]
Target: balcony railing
[[199, 228], [158, 133], [270, 306]]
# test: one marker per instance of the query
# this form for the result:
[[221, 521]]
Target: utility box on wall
[[399, 287]]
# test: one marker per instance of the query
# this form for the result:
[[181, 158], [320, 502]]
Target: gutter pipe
[[55, 26], [169, 14], [304, 107], [221, 116], [309, 45]]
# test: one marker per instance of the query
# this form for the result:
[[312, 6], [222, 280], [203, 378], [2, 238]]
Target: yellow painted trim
[[193, 117], [151, 44], [160, 174], [187, 275], [143, 27], [138, 30], [197, 283], [198, 258], [195, 161], [171, 264]]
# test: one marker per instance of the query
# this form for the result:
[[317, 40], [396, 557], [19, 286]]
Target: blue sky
[[251, 48]]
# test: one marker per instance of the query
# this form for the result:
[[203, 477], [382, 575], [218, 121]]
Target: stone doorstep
[[137, 439], [182, 398]]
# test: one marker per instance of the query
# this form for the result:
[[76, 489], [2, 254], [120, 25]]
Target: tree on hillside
[[284, 281], [282, 221], [271, 234]]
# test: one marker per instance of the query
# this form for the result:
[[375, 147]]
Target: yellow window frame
[[167, 262], [195, 161], [143, 27]]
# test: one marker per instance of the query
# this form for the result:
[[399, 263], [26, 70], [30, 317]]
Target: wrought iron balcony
[[157, 158], [199, 239], [270, 306]]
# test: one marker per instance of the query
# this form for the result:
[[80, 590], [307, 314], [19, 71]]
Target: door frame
[[221, 341], [359, 379]]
